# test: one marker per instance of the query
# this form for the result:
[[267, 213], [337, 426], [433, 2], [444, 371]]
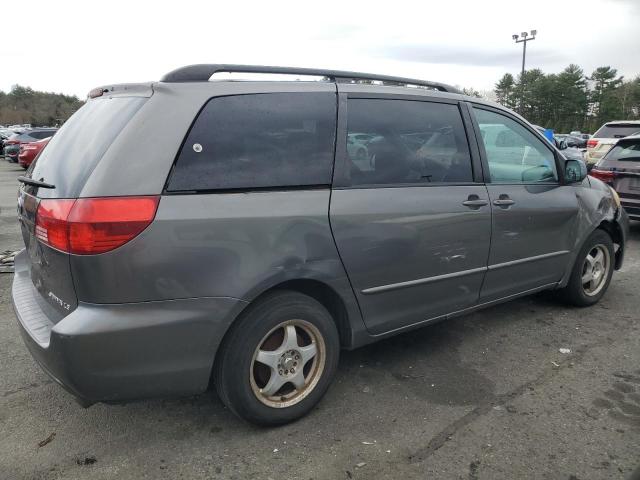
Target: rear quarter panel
[[206, 245], [221, 245]]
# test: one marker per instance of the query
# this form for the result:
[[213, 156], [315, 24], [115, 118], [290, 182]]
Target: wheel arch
[[324, 294], [614, 230], [609, 226], [346, 315]]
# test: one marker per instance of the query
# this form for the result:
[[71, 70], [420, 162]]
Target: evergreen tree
[[505, 91], [605, 104], [569, 100]]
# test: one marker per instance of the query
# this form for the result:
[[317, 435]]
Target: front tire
[[592, 271], [278, 359]]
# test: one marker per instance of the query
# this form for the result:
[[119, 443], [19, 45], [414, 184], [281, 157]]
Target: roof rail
[[203, 72]]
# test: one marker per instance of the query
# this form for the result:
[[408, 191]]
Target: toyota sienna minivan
[[196, 231]]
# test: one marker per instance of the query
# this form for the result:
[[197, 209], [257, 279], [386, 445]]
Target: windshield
[[74, 151]]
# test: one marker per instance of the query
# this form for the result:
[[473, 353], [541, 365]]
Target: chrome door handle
[[503, 202], [475, 203]]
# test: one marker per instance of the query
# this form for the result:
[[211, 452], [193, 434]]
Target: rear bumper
[[591, 157], [632, 207], [119, 352]]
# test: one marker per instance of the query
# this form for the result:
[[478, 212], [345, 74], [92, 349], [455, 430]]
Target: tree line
[[571, 100], [25, 105]]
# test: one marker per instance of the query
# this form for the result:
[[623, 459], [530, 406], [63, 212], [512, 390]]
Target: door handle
[[503, 201], [475, 203]]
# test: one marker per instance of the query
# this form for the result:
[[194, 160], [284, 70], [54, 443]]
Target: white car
[[606, 137], [357, 149]]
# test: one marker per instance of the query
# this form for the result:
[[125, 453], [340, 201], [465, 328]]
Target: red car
[[29, 151]]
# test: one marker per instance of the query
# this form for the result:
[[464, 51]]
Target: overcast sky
[[71, 47]]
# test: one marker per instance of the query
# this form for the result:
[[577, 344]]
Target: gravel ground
[[487, 396]]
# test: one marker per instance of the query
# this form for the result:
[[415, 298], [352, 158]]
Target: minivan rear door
[[49, 268], [409, 212], [65, 164]]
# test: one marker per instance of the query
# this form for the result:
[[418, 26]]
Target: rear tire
[[592, 271], [278, 359]]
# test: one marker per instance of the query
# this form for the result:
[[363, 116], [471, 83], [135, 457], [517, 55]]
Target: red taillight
[[592, 143], [606, 176], [89, 226], [51, 223]]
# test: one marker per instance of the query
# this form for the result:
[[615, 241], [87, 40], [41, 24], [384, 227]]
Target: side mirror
[[575, 171]]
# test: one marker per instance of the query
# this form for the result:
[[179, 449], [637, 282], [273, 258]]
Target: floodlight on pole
[[524, 38]]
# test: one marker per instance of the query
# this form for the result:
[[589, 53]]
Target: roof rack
[[203, 72]]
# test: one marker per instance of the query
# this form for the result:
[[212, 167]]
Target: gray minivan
[[197, 230]]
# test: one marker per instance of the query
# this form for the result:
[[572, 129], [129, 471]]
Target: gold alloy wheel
[[287, 364], [595, 270]]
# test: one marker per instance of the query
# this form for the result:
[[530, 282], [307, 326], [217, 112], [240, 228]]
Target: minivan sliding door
[[411, 221]]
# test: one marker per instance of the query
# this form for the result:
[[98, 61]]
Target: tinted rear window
[[616, 131], [259, 141], [625, 151], [76, 148], [40, 134]]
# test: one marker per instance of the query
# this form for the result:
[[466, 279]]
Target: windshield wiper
[[35, 183]]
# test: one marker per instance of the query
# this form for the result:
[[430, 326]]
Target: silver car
[[189, 232], [606, 137]]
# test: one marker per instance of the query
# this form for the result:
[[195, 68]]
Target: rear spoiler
[[122, 90]]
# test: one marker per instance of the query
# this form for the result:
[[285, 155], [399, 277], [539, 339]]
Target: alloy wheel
[[595, 270], [287, 364]]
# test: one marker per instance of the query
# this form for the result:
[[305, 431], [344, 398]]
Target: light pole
[[524, 38]]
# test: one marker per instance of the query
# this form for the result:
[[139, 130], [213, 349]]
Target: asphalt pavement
[[486, 396]]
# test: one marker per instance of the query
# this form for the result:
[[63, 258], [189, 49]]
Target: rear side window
[[259, 141], [619, 130], [76, 148], [404, 141]]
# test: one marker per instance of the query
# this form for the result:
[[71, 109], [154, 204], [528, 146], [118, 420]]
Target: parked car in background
[[29, 152], [234, 241], [576, 141], [545, 132], [607, 136], [620, 168], [570, 153], [572, 140], [5, 134], [357, 147], [12, 145]]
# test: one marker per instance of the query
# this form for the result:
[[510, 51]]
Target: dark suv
[[191, 230], [620, 168]]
